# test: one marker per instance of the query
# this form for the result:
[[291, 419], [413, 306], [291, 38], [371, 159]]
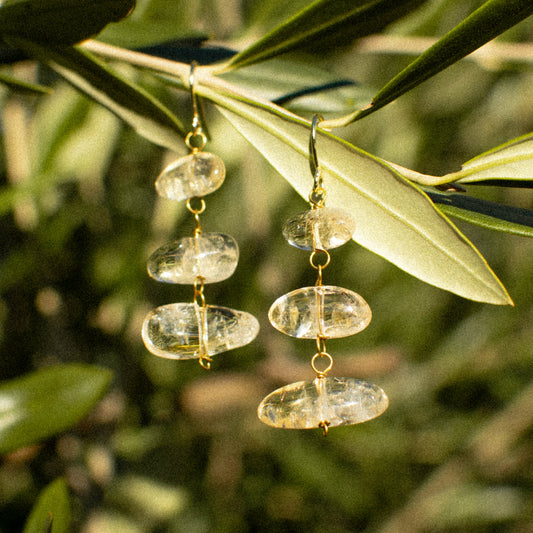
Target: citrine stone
[[213, 256], [319, 229], [194, 175], [335, 401], [320, 311], [190, 331]]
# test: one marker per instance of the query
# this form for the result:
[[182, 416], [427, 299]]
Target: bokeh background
[[173, 448]]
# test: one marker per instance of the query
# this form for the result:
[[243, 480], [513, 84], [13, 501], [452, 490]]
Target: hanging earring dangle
[[195, 330], [321, 312]]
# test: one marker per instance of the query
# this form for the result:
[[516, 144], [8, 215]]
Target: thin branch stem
[[489, 55]]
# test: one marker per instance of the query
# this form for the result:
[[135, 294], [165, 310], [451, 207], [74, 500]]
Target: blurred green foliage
[[172, 448]]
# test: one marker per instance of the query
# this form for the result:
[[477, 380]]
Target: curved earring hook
[[192, 87], [313, 161], [318, 194], [196, 139]]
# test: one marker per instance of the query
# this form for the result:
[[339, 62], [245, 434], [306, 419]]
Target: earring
[[195, 330], [321, 312]]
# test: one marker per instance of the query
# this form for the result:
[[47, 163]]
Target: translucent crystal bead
[[322, 229], [214, 256], [189, 331], [337, 401], [194, 175], [320, 311]]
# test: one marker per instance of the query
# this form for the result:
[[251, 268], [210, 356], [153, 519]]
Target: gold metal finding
[[199, 297], [196, 211], [322, 373], [324, 425], [317, 197], [321, 345], [205, 362], [199, 300], [196, 139], [319, 264]]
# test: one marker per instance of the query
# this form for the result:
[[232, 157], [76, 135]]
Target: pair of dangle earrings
[[321, 312], [195, 330]]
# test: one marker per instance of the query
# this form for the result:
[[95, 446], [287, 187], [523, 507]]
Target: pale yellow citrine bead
[[190, 331], [213, 256], [319, 229], [335, 401], [194, 175], [320, 311]]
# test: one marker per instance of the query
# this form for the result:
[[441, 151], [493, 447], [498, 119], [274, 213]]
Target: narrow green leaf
[[512, 162], [487, 22], [489, 215], [43, 403], [394, 218], [322, 20], [23, 86], [51, 512], [299, 86], [60, 22], [156, 22], [149, 117]]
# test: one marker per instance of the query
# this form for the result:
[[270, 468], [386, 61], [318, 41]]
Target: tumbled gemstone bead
[[319, 229], [194, 175], [214, 256], [320, 311], [338, 401], [189, 331]]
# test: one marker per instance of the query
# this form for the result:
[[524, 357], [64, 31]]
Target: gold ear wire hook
[[318, 194], [196, 139], [192, 87]]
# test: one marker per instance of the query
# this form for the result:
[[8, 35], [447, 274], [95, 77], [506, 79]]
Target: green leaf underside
[[129, 102], [490, 20], [394, 218], [511, 161], [51, 512], [23, 87], [41, 404], [321, 20], [60, 22], [278, 78], [486, 214]]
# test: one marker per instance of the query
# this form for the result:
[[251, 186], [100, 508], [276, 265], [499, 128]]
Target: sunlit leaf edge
[[496, 294]]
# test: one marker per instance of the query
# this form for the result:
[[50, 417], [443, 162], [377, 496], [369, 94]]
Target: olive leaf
[[486, 214], [22, 86], [60, 22], [130, 102], [51, 512], [490, 20], [511, 162], [341, 20], [48, 401], [395, 218]]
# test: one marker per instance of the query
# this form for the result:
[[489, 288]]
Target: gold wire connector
[[319, 263], [199, 300], [196, 211], [322, 355], [324, 426]]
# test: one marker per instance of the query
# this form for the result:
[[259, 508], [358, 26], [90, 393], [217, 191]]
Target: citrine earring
[[195, 330], [321, 312]]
